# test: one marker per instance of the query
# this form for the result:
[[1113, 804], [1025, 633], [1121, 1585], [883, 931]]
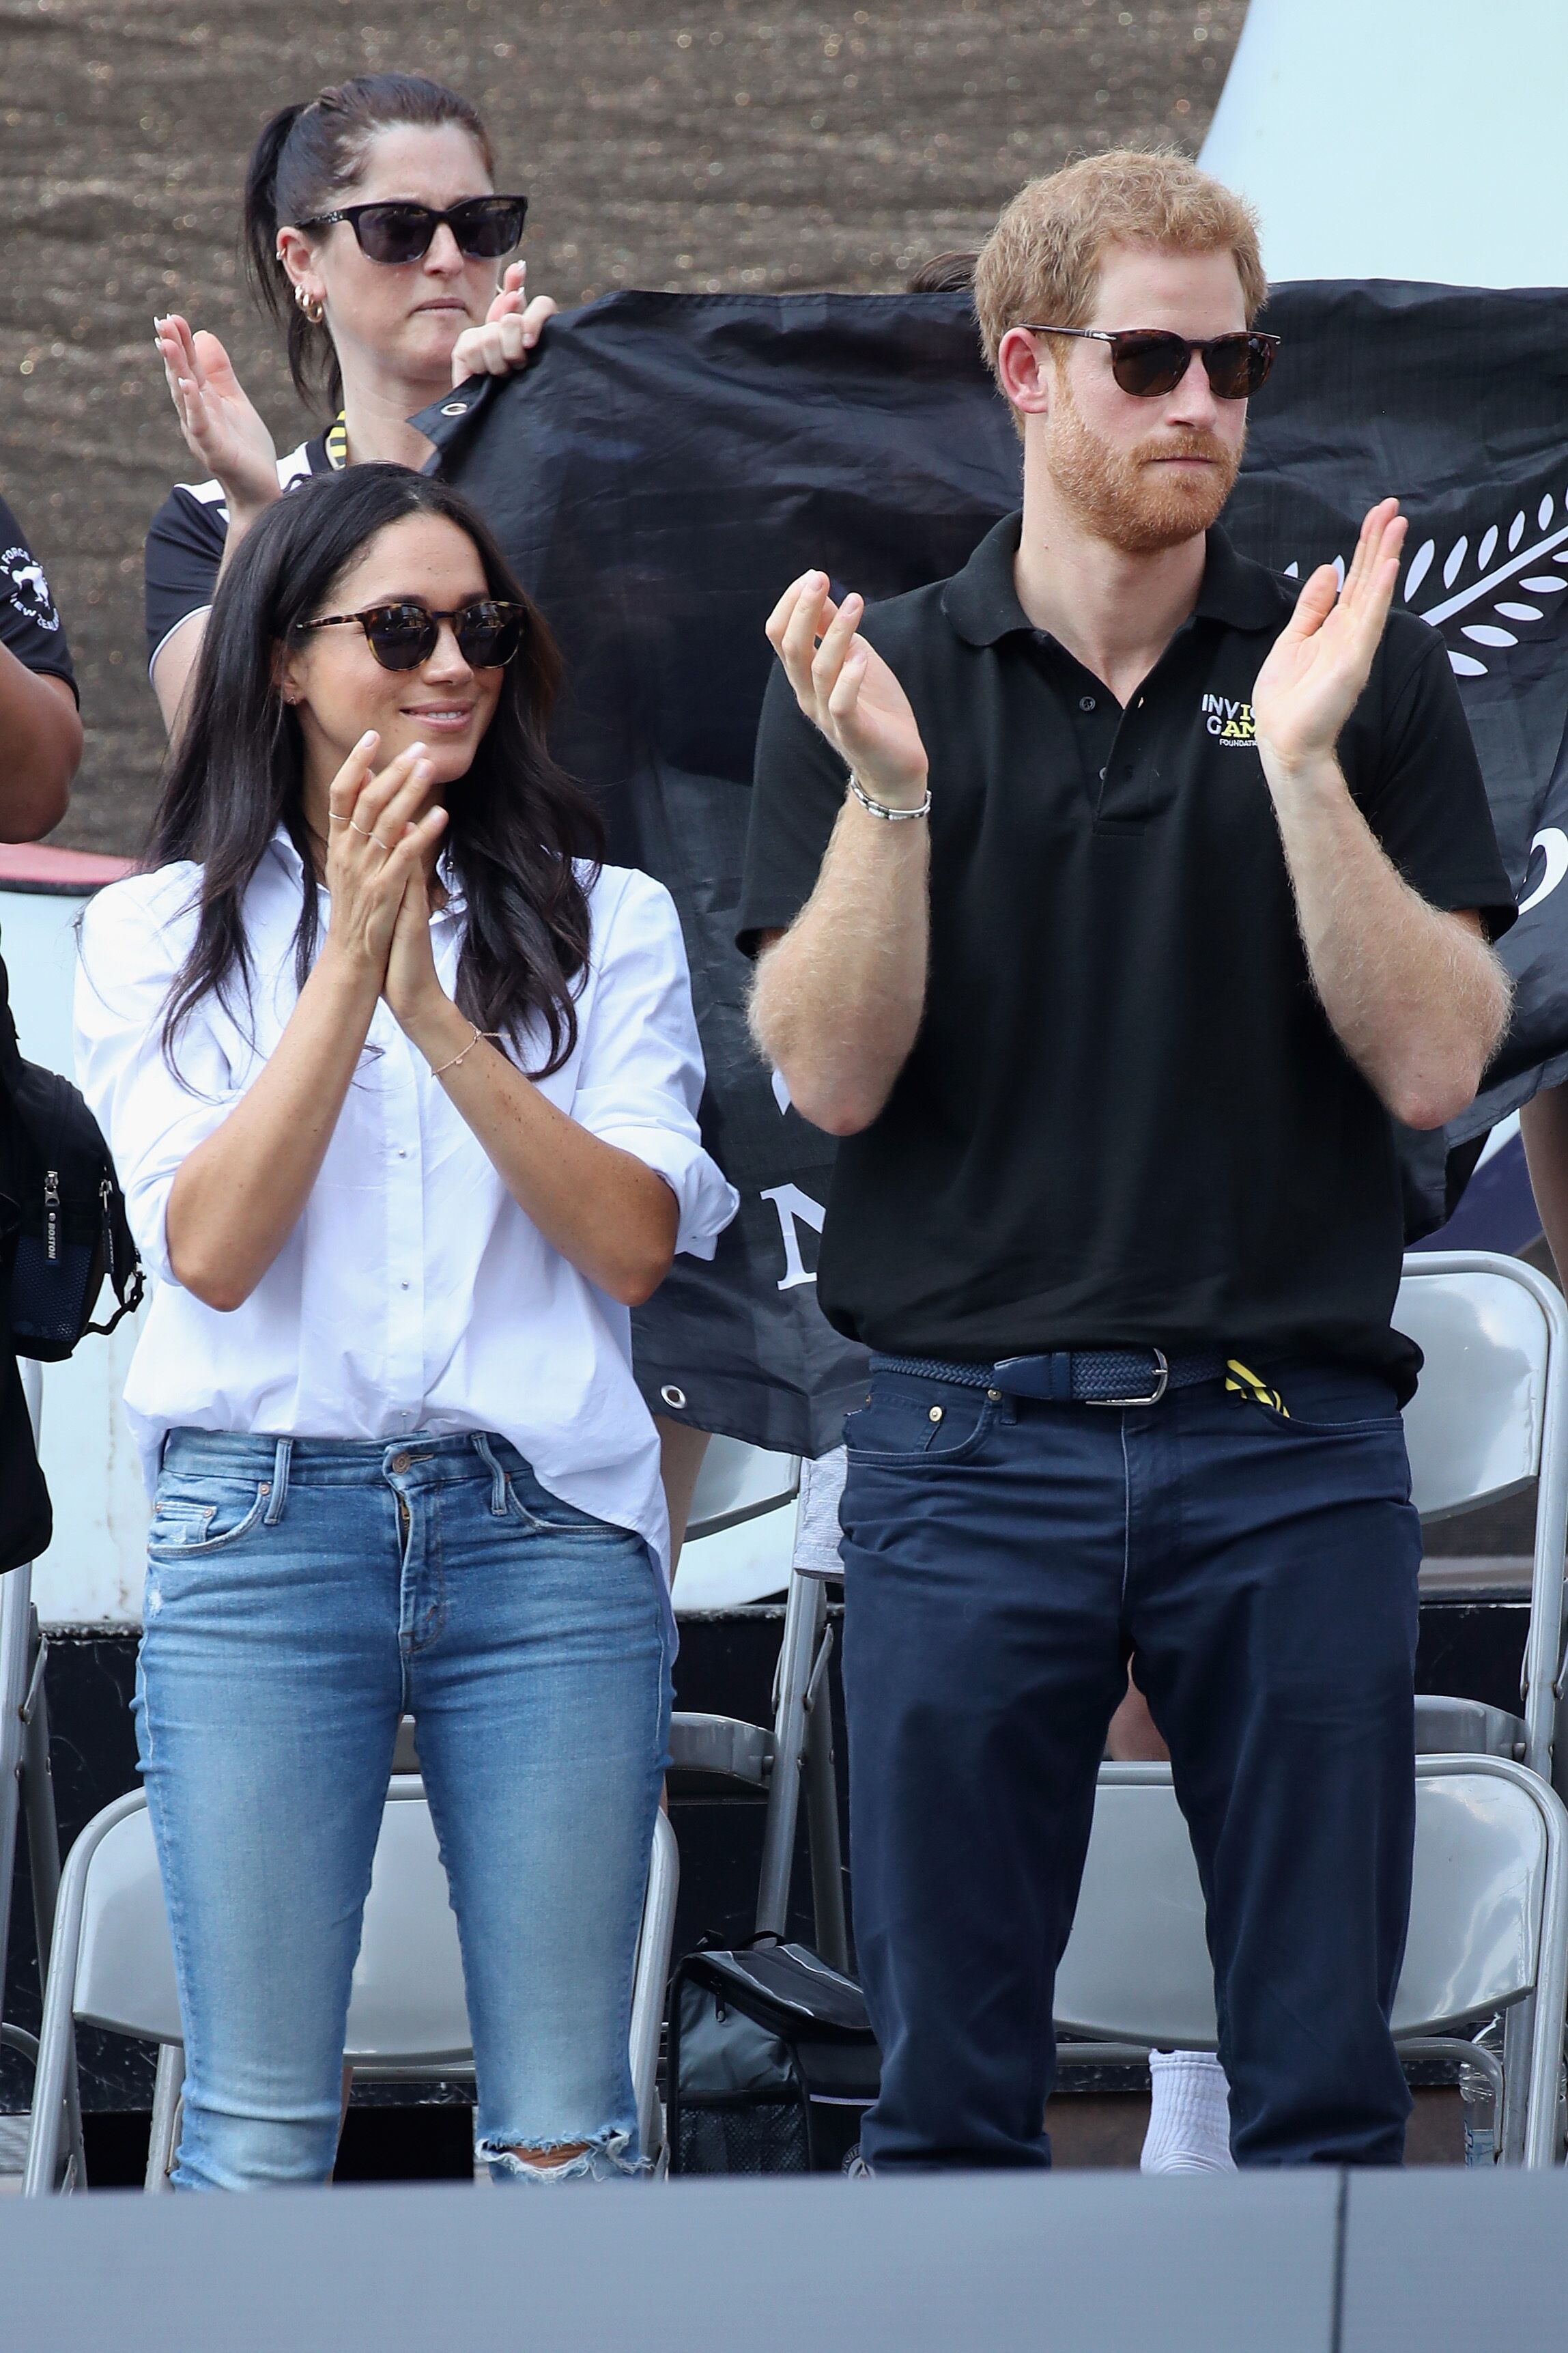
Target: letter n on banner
[[795, 1210]]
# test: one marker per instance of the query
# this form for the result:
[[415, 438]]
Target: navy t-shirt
[[29, 623], [185, 542]]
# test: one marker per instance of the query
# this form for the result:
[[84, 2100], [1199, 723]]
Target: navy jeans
[[1003, 1560]]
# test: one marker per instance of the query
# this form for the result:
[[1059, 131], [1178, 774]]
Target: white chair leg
[[164, 2138], [652, 1976]]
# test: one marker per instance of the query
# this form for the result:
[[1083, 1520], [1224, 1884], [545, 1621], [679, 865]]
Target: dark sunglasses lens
[[1147, 365], [488, 226], [394, 232], [401, 636], [1238, 364], [489, 634]]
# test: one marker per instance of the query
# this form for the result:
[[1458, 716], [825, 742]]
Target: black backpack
[[62, 1214], [773, 2063]]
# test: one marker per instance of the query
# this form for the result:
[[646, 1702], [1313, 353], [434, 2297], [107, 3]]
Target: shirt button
[[1087, 702], [402, 1286], [403, 1152], [1102, 775]]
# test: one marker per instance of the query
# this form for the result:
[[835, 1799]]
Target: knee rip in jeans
[[602, 2158]]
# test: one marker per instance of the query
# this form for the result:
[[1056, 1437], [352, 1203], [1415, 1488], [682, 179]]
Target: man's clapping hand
[[847, 689]]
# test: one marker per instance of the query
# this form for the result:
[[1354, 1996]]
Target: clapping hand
[[512, 327], [381, 829], [222, 430], [1320, 661], [847, 689]]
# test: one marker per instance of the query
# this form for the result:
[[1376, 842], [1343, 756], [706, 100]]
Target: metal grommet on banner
[[670, 1394], [454, 408]]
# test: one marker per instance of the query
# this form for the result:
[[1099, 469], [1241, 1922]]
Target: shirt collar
[[447, 873], [982, 602]]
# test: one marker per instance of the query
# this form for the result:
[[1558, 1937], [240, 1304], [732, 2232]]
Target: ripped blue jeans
[[301, 1594]]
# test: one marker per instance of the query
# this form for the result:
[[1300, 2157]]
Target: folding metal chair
[[112, 1966], [1489, 1932], [1489, 1417], [710, 1754]]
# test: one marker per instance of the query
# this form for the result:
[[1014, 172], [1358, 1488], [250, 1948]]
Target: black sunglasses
[[484, 227], [402, 636], [1148, 361]]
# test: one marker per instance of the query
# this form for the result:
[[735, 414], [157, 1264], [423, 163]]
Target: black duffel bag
[[61, 1209], [773, 2063]]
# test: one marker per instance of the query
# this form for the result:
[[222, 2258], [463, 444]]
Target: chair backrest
[[407, 2003], [1137, 1965], [1474, 1426], [739, 1483]]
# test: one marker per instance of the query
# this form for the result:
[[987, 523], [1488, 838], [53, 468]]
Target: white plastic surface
[[1473, 1428], [125, 1977], [407, 1995], [1137, 1965], [735, 1477], [1412, 139]]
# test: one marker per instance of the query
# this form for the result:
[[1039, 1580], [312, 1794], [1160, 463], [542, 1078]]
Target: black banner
[[672, 461]]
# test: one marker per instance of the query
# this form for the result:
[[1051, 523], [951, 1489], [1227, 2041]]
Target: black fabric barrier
[[672, 461]]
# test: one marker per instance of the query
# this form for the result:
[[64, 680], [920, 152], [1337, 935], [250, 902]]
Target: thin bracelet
[[881, 808], [442, 1067]]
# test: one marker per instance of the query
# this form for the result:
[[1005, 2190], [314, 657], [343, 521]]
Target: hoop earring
[[315, 310]]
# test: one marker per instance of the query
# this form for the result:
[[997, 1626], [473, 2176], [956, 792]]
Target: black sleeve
[[797, 790], [29, 625], [1424, 794], [185, 549]]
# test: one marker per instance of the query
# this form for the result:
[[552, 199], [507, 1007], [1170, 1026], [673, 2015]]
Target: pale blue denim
[[301, 1594]]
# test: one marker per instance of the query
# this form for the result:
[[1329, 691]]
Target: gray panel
[[1443, 2262], [1070, 2265]]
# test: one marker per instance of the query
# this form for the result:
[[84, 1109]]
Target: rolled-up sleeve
[[640, 1077], [134, 937]]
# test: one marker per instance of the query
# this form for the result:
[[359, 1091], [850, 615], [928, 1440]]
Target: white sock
[[1189, 2115]]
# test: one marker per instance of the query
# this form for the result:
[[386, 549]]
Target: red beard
[[1137, 505]]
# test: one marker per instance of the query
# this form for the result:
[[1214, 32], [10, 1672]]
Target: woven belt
[[1111, 1377]]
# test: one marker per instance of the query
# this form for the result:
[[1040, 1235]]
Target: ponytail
[[312, 362], [307, 155]]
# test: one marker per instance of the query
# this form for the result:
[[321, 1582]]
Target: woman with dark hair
[[401, 1086], [374, 237]]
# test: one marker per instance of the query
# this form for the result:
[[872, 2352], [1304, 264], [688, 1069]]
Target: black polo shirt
[[1125, 1118]]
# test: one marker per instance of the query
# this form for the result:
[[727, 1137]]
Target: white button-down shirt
[[414, 1293]]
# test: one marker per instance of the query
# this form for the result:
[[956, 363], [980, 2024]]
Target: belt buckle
[[1162, 1382]]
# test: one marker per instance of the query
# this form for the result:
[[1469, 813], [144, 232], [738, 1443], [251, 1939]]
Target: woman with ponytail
[[375, 236]]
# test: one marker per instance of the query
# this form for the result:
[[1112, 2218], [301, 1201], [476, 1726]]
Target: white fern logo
[[1497, 618]]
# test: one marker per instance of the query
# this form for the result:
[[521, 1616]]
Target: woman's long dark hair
[[237, 771], [305, 157]]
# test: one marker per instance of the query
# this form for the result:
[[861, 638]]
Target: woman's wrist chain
[[881, 809], [439, 1068]]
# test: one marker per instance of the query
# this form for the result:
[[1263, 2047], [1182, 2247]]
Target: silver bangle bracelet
[[881, 808]]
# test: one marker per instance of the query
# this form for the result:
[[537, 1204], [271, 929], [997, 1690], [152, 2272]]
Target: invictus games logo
[[1228, 721], [23, 584]]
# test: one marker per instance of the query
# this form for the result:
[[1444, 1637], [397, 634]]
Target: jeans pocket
[[900, 1425], [191, 1519], [550, 1515]]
